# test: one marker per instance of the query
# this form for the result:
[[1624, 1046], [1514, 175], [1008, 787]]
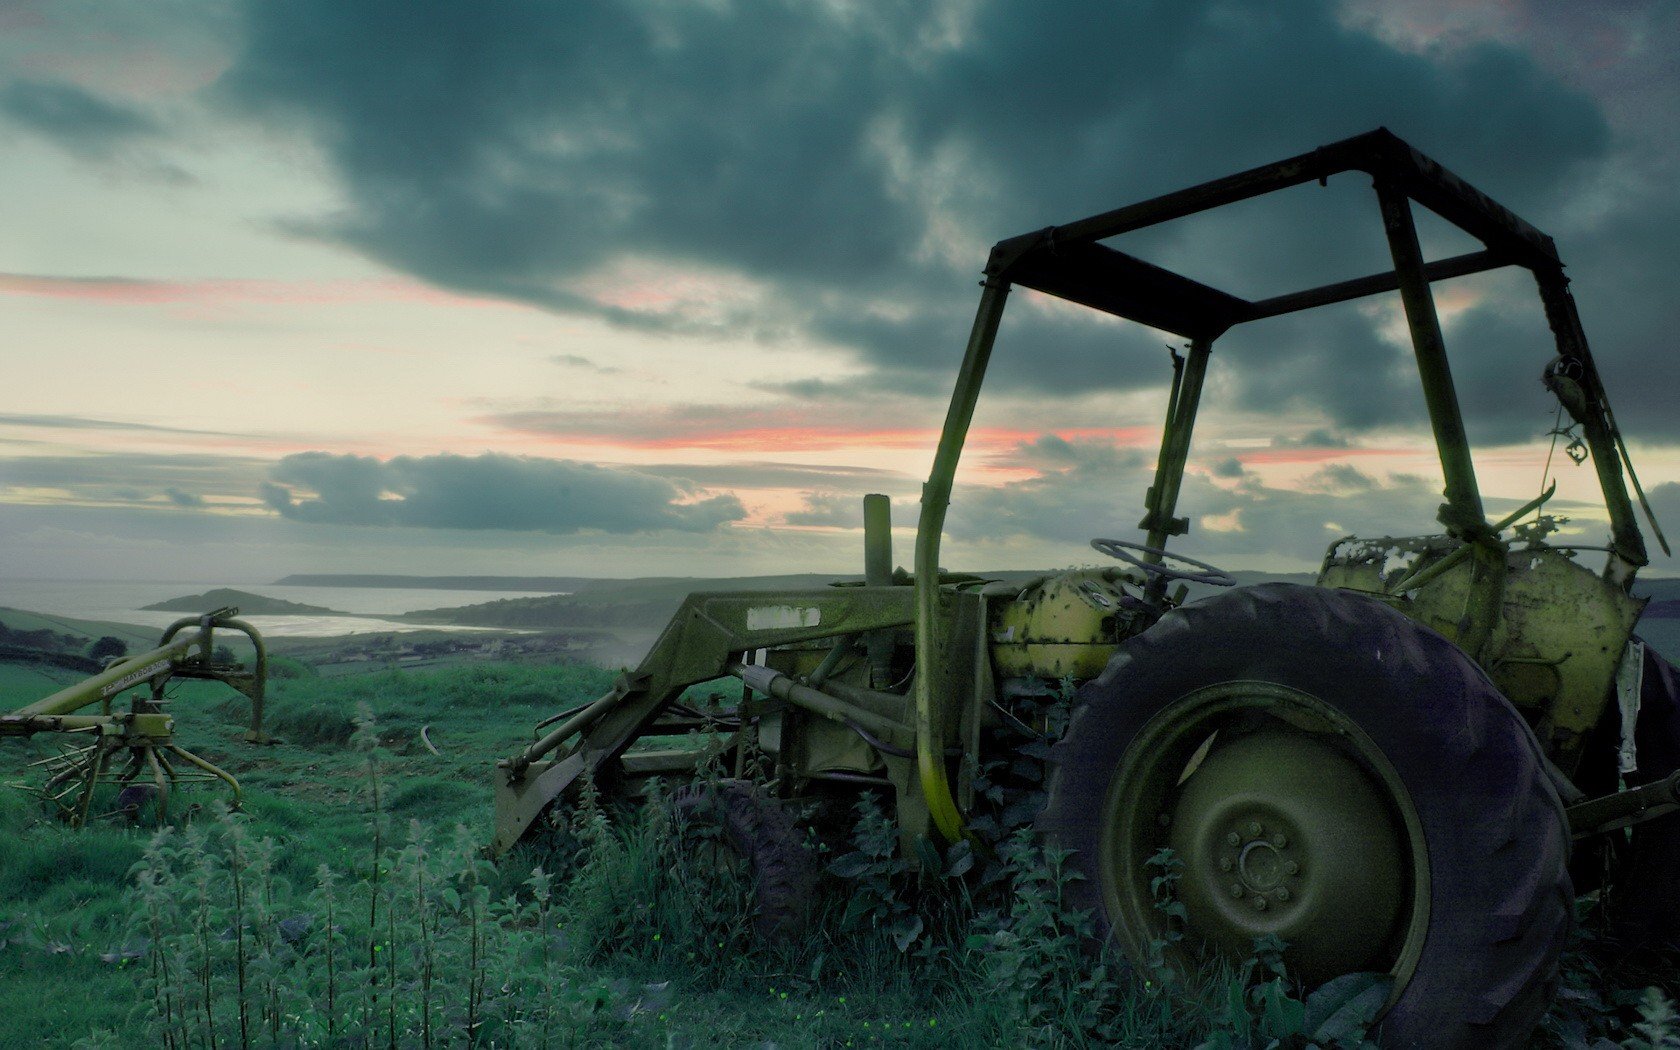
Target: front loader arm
[[705, 638]]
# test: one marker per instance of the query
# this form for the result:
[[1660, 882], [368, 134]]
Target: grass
[[618, 941], [62, 900]]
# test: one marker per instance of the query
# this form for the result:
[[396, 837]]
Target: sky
[[663, 288]]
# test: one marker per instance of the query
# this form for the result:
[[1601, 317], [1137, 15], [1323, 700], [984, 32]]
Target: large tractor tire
[[1334, 774], [1645, 901], [734, 825]]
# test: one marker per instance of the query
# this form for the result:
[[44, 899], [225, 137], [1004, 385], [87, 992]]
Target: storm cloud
[[488, 491], [828, 509], [838, 171], [1088, 489], [181, 480], [76, 119]]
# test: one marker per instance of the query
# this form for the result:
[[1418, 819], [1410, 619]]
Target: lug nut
[[1259, 904], [1234, 839], [1291, 868], [1236, 889], [1280, 840], [1254, 827], [1164, 819], [1281, 893], [1226, 864]]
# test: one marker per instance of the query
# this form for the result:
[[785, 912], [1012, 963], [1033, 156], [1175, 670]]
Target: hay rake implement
[[136, 748]]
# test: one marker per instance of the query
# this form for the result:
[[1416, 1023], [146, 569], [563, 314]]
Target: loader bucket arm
[[706, 637]]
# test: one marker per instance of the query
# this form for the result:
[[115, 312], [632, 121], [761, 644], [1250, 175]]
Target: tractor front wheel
[[1331, 773], [733, 826]]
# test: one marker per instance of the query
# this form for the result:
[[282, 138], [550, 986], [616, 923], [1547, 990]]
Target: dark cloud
[[1094, 490], [1050, 451], [488, 491], [183, 479], [1665, 504], [59, 422], [1230, 467], [1326, 362], [1099, 491], [1317, 437], [671, 424], [755, 428], [1083, 490], [852, 167], [579, 361], [77, 120], [827, 508], [1625, 269], [825, 477], [1339, 478]]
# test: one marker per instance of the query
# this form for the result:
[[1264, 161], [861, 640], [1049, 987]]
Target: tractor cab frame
[[1472, 605]]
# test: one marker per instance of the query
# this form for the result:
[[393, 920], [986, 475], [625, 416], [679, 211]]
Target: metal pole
[[1463, 515], [1175, 451], [877, 540], [877, 572], [936, 496], [1184, 424], [1628, 545]]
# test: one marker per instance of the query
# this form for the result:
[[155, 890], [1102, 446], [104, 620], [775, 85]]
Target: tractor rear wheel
[[1333, 774], [734, 825]]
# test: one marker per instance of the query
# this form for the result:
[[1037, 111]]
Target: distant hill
[[1664, 592], [550, 584], [247, 603], [643, 606], [75, 634]]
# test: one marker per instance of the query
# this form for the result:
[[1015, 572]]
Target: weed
[[1659, 1024], [291, 926], [874, 872]]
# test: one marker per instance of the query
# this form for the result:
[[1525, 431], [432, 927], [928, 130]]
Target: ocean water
[[121, 602]]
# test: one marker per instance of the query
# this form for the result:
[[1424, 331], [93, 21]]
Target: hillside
[[649, 602], [552, 584], [246, 602], [74, 634]]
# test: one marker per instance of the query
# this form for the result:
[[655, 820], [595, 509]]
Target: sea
[[121, 602]]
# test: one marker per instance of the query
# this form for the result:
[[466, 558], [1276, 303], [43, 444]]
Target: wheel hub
[[1263, 865], [1282, 833]]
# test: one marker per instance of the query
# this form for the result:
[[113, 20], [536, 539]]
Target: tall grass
[[627, 939], [347, 907], [632, 939]]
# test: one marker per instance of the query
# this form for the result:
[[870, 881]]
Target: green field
[[634, 948], [70, 915]]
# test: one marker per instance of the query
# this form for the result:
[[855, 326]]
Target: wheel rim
[[1288, 821]]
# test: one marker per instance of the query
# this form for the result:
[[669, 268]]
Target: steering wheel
[[1122, 549]]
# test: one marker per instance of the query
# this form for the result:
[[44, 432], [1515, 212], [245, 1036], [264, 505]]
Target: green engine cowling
[[1554, 635], [1067, 625]]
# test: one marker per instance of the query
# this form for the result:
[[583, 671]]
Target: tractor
[[1389, 771]]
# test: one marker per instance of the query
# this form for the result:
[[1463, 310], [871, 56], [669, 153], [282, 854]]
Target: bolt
[[1281, 893], [1259, 904], [1225, 863], [1236, 889], [1164, 819], [1234, 839], [1254, 827], [1290, 867], [1280, 840]]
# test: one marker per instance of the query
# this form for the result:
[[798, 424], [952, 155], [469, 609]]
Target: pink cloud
[[218, 291], [785, 430], [1322, 455]]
